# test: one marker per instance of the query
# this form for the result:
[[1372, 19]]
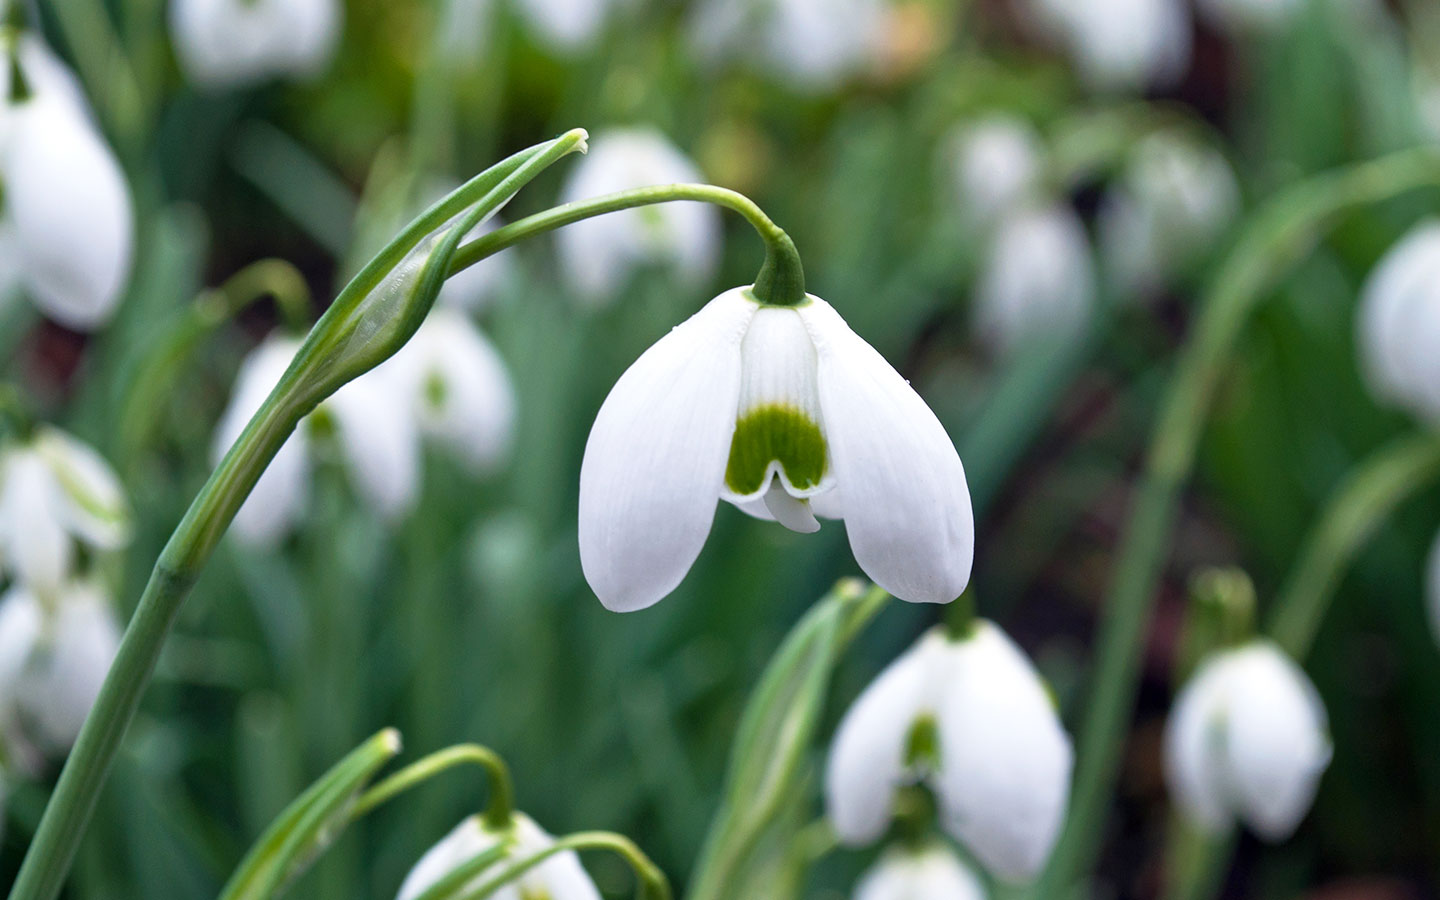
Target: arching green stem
[[781, 281], [1282, 232], [498, 810], [651, 883]]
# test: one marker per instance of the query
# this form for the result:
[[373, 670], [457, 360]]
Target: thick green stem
[[1281, 233], [651, 882], [499, 809], [781, 281]]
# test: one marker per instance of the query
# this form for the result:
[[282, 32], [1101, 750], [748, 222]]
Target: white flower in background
[[1432, 586], [1121, 45], [1399, 324], [998, 163], [228, 43], [1249, 15], [930, 873], [598, 255], [786, 413], [55, 492], [561, 877], [1173, 201], [566, 26], [811, 44], [54, 659], [458, 384], [66, 222], [372, 421], [971, 718], [1037, 280], [1247, 740]]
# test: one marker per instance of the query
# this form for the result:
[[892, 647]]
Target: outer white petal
[[93, 502], [1194, 748], [561, 877], [1005, 760], [1393, 345], [380, 441], [898, 478], [59, 689], [1038, 279], [281, 494], [1277, 743], [933, 873], [34, 545], [21, 624], [867, 759], [71, 211], [468, 840], [655, 460]]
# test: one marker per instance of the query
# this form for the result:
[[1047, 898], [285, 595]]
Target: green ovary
[[775, 433]]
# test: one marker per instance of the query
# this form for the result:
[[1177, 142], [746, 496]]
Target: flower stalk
[[498, 810], [651, 883]]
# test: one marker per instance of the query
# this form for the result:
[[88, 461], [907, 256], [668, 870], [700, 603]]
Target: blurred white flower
[[786, 413], [371, 419], [598, 255], [1399, 324], [1249, 15], [566, 26], [930, 873], [66, 223], [55, 491], [50, 681], [972, 718], [228, 43], [998, 164], [1119, 45], [1037, 280], [1173, 201], [560, 877], [1247, 740], [459, 387], [1432, 587], [811, 44]]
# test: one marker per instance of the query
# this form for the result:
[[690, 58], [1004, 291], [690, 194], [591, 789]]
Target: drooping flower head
[[811, 45], [1119, 45], [998, 163], [931, 872], [566, 26], [230, 43], [788, 414], [971, 718], [1037, 280], [560, 877], [598, 256], [1399, 324], [1247, 740]]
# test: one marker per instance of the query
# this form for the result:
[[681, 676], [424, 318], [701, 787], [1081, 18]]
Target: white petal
[[34, 545], [1194, 748], [867, 759], [71, 211], [1395, 336], [560, 877], [94, 506], [1038, 279], [900, 481], [792, 513], [997, 165], [1276, 740], [466, 841], [933, 873], [282, 493], [226, 43], [566, 25], [1005, 760], [380, 442], [58, 691], [21, 622], [655, 459]]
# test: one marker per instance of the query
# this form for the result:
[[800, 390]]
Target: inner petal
[[794, 513]]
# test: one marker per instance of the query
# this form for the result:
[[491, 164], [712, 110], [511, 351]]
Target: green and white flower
[[560, 877], [229, 43], [1399, 324], [811, 45], [1247, 740], [1120, 45], [1038, 279], [55, 493], [788, 414], [931, 872], [971, 718]]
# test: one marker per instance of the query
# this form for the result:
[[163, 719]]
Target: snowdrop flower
[[228, 43], [1174, 200], [972, 719], [930, 873], [1124, 45], [1432, 586], [1037, 279], [66, 221], [1399, 324], [375, 431], [54, 492], [1250, 15], [598, 255], [561, 877], [458, 384], [55, 676], [998, 164], [786, 413], [812, 44], [566, 26], [1247, 740]]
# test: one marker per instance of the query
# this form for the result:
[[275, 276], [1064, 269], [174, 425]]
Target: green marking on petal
[[922, 744], [775, 433]]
